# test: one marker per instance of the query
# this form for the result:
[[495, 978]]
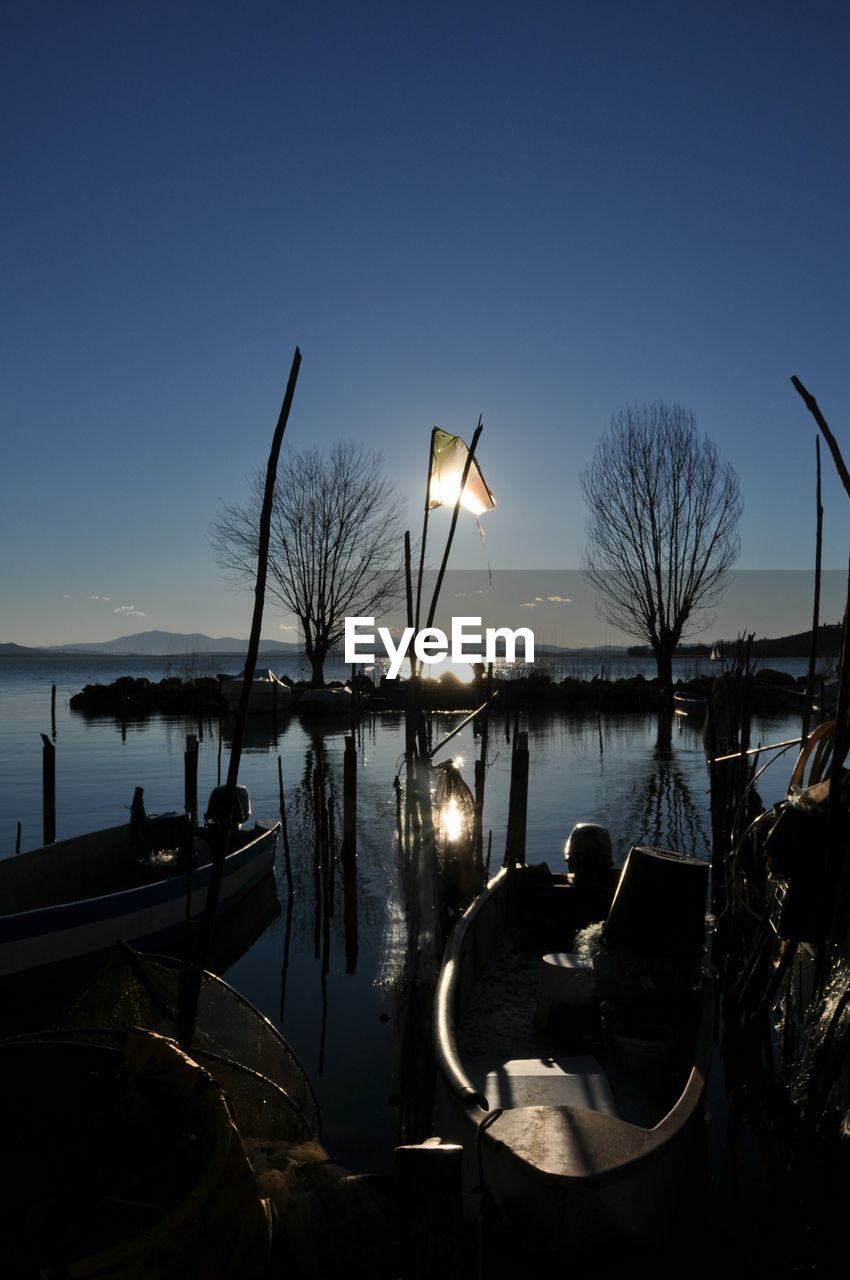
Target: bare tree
[[336, 543], [663, 508]]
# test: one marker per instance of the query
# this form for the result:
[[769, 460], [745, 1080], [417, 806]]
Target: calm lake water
[[330, 986]]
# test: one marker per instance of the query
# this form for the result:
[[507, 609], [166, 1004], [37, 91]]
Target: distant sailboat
[[715, 654]]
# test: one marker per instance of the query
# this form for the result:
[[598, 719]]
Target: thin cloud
[[285, 626], [129, 611]]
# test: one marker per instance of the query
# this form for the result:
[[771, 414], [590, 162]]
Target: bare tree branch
[[663, 509], [336, 543]]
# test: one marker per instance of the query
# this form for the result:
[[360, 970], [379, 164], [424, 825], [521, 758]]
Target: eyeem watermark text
[[433, 645]]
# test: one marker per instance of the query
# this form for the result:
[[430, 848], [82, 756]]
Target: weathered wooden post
[[190, 778], [349, 800], [431, 1187], [53, 710], [48, 788], [283, 829], [518, 802]]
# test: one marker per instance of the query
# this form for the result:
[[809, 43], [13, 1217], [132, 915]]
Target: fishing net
[[268, 1088], [126, 1166]]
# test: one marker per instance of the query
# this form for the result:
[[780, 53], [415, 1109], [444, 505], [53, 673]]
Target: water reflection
[[321, 869], [262, 732], [663, 811]]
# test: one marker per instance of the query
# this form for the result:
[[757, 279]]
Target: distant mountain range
[[176, 644], [793, 646], [159, 643]]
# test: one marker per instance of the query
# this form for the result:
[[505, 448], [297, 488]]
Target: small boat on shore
[[572, 1055], [268, 694], [333, 700], [66, 904]]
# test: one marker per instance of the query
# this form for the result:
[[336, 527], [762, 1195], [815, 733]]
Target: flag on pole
[[448, 459]]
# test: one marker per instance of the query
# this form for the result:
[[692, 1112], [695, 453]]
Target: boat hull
[[268, 695], [569, 1177], [70, 939]]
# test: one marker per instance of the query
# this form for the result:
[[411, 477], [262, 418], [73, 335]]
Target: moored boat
[[65, 904], [571, 1054], [333, 700], [268, 694]]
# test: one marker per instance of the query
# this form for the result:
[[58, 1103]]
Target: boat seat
[[575, 1081], [564, 979]]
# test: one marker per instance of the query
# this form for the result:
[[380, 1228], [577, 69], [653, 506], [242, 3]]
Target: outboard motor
[[218, 814], [588, 854]]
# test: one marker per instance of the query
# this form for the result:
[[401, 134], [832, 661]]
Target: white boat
[[66, 904], [332, 701], [575, 1089], [268, 694]]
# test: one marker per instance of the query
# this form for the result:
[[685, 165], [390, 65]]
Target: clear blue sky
[[539, 213]]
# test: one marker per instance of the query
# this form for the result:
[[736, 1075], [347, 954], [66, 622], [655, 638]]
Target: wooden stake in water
[[48, 788], [349, 801], [518, 803], [53, 710], [283, 829], [190, 778], [430, 1178], [220, 853]]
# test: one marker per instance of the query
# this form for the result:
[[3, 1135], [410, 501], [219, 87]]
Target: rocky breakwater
[[136, 696]]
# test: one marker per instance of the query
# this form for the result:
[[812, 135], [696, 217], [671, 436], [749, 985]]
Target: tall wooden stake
[[190, 777], [48, 780], [518, 802], [219, 854], [813, 649], [424, 530], [349, 801]]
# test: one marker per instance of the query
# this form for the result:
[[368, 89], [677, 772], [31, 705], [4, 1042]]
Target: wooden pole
[[518, 802], [190, 778], [837, 881], [283, 828], [53, 710], [48, 789], [412, 701], [264, 537], [349, 801], [812, 406], [813, 648], [430, 1179], [424, 531]]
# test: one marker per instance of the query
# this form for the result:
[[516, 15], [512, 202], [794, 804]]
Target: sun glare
[[452, 820]]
